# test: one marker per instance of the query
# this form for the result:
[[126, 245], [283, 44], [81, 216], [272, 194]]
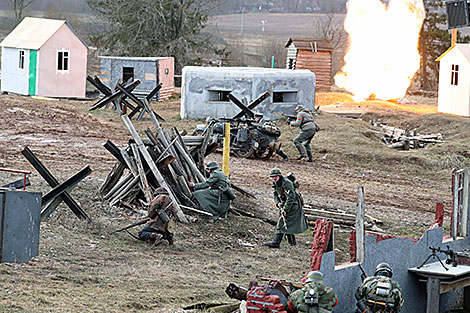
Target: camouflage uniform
[[327, 299], [211, 194], [367, 292], [163, 224], [308, 128]]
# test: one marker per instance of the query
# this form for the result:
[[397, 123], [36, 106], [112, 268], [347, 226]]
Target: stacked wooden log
[[163, 159], [405, 139], [339, 217]]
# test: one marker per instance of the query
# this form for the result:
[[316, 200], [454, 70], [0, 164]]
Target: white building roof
[[464, 48], [33, 32]]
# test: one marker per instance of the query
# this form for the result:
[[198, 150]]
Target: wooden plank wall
[[319, 63]]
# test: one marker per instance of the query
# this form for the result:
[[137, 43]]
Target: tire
[[264, 154], [245, 154]]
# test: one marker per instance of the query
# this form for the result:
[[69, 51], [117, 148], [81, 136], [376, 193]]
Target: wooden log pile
[[339, 217], [164, 159], [405, 139]]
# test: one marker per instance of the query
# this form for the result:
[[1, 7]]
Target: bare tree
[[332, 29], [19, 6]]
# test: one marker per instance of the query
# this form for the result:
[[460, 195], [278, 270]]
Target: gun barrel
[[283, 282]]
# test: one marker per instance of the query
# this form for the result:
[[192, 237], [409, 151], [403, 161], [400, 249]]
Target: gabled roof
[[462, 47], [33, 32], [308, 43]]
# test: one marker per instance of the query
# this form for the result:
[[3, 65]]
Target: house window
[[62, 60], [219, 95], [127, 74], [454, 79], [21, 60], [284, 96]]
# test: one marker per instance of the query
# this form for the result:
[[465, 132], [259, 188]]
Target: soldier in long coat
[[379, 293], [321, 300], [212, 194], [292, 219]]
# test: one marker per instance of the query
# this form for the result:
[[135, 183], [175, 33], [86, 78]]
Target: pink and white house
[[44, 57]]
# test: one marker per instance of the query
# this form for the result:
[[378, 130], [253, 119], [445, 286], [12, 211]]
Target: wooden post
[[153, 167], [465, 198], [360, 234], [453, 39], [226, 153]]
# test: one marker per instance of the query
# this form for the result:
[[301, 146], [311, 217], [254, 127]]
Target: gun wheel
[[264, 154], [245, 153]]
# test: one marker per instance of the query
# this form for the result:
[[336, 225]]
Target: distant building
[[454, 80], [44, 57], [205, 90], [311, 54], [149, 70]]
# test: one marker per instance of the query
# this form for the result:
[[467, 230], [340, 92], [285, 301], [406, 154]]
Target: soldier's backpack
[[269, 298], [379, 297], [294, 180]]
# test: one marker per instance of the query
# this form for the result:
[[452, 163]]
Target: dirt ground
[[81, 267]]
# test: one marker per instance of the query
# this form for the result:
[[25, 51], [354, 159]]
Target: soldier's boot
[[302, 153], [276, 243], [169, 238], [158, 239], [282, 155], [310, 157], [291, 240]]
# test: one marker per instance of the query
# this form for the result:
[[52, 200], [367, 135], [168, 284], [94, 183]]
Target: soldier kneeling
[[314, 297], [160, 226]]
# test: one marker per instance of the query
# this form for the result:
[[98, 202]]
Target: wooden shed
[[454, 80], [44, 57], [311, 54]]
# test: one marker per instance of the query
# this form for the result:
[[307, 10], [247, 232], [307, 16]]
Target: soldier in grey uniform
[[308, 128], [276, 147]]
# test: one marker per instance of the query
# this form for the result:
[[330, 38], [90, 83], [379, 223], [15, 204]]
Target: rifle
[[290, 117], [296, 285], [283, 218], [364, 274], [131, 225], [453, 257]]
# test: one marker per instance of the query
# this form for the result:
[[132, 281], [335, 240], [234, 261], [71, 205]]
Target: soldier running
[[292, 218], [314, 297], [160, 226], [379, 293], [308, 128]]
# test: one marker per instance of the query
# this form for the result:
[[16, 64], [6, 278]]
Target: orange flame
[[383, 55]]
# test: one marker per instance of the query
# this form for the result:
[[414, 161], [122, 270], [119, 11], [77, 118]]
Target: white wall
[[14, 79], [454, 99]]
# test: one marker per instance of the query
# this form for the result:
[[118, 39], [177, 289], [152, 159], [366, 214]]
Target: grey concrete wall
[[401, 254], [145, 71], [249, 83]]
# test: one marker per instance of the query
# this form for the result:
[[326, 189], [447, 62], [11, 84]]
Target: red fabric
[[258, 301]]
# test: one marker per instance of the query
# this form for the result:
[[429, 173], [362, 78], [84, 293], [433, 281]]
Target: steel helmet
[[159, 191], [275, 172], [299, 108], [212, 166], [314, 276], [383, 269]]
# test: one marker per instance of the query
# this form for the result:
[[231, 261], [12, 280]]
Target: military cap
[[275, 172], [212, 166], [314, 276]]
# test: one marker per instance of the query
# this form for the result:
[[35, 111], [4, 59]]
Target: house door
[[127, 74]]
